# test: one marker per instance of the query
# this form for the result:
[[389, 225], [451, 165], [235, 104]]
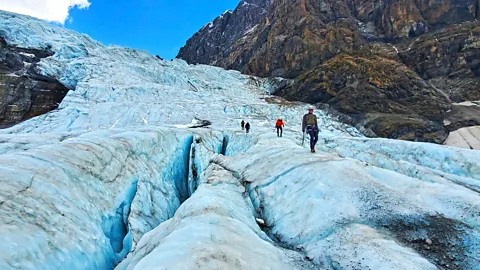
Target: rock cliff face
[[448, 59], [393, 66], [23, 92], [210, 43]]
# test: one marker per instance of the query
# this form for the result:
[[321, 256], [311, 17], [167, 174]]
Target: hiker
[[243, 124], [310, 125], [279, 125], [247, 127]]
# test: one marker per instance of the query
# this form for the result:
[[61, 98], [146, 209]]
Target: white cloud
[[50, 10]]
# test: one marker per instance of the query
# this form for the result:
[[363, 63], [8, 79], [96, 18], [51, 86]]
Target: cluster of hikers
[[245, 126], [309, 126]]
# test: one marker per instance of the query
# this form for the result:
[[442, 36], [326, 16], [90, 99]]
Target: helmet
[[311, 108]]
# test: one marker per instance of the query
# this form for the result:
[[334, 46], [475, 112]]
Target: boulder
[[464, 114]]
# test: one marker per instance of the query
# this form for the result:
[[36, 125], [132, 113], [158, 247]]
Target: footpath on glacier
[[117, 178]]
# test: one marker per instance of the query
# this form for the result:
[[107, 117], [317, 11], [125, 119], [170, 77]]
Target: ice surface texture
[[346, 213], [214, 229], [120, 87], [118, 169], [67, 205]]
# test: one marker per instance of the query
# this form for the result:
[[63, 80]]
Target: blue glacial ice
[[350, 214], [213, 229], [116, 177], [72, 204]]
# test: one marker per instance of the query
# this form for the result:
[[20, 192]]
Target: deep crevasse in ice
[[83, 184], [214, 229], [68, 204]]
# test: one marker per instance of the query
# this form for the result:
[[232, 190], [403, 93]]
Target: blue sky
[[158, 26]]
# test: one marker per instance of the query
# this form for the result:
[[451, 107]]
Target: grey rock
[[24, 92], [462, 115]]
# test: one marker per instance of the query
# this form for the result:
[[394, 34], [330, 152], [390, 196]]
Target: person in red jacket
[[279, 125]]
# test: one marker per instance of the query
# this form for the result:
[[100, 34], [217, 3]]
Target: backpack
[[311, 119]]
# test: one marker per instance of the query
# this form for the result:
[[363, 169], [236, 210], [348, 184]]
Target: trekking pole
[[303, 139]]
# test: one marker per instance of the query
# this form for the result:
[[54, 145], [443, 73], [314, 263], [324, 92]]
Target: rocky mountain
[[225, 31], [393, 67], [24, 92]]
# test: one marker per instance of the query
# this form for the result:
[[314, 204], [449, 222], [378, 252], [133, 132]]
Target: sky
[[159, 26]]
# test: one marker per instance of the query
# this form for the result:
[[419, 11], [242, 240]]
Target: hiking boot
[[313, 150]]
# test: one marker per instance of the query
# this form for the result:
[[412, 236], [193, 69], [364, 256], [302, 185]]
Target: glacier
[[123, 176]]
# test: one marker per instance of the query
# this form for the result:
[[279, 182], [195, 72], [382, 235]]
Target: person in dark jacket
[[279, 125], [247, 127], [310, 126], [242, 124]]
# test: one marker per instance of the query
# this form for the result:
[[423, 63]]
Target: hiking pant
[[279, 131], [313, 133]]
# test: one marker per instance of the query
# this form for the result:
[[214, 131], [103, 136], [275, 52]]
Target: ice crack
[[116, 227]]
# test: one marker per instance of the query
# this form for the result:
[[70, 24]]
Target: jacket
[[309, 119], [279, 123]]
